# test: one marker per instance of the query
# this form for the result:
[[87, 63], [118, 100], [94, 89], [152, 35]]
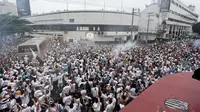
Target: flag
[[33, 53], [37, 57], [40, 60]]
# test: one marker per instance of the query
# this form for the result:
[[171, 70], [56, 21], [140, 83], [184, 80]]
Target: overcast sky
[[44, 6]]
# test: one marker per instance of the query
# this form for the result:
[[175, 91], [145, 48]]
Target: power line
[[9, 20]]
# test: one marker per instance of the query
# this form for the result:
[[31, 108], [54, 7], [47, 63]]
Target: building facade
[[168, 19], [102, 25]]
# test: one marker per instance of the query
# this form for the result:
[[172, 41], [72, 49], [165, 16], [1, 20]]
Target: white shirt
[[132, 91], [60, 78], [110, 107], [13, 85], [66, 89], [75, 106], [67, 100], [97, 107], [27, 109], [95, 91]]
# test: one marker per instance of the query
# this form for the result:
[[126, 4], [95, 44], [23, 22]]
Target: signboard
[[165, 5], [23, 7]]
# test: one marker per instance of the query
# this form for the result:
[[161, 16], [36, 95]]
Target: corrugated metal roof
[[181, 87]]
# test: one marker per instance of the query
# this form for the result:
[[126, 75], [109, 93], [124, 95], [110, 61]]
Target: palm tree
[[12, 24]]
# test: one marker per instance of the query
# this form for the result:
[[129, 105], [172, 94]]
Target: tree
[[11, 24], [196, 28]]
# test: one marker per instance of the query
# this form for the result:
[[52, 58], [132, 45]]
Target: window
[[23, 49], [71, 20], [93, 28], [77, 28], [85, 28], [175, 20], [81, 28], [98, 28]]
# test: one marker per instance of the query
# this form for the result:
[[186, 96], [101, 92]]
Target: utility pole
[[84, 4], [133, 13], [104, 5], [148, 23], [67, 4]]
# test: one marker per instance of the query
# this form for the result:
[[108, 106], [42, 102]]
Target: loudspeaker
[[196, 74]]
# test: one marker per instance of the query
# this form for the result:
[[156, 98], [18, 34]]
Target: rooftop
[[81, 11]]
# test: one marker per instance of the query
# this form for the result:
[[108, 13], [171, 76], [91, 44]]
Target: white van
[[38, 45]]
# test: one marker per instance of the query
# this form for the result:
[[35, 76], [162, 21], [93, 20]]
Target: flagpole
[[84, 4], [104, 5], [122, 5], [67, 4]]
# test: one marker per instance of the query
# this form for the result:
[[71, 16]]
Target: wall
[[150, 36], [84, 17], [154, 20], [180, 10]]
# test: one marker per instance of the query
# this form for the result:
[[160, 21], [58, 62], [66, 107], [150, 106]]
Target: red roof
[[179, 86]]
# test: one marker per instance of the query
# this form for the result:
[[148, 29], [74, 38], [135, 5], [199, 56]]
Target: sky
[[44, 6]]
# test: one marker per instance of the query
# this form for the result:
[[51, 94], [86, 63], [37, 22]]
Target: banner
[[33, 53], [35, 56], [165, 5], [23, 7]]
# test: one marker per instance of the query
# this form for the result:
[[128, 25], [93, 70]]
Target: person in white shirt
[[54, 107], [111, 105], [60, 80], [132, 92], [95, 91], [25, 108], [66, 90], [12, 84], [97, 105], [67, 100], [72, 107]]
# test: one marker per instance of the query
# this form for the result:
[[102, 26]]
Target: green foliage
[[196, 28], [11, 24]]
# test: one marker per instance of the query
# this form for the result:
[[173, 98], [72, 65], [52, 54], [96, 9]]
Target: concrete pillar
[[182, 30], [179, 30], [168, 28], [175, 30], [172, 31]]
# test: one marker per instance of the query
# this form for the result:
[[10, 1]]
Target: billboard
[[165, 5], [23, 7]]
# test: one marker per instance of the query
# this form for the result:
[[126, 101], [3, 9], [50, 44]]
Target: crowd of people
[[89, 78]]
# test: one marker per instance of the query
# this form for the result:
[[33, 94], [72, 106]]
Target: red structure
[[157, 98]]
